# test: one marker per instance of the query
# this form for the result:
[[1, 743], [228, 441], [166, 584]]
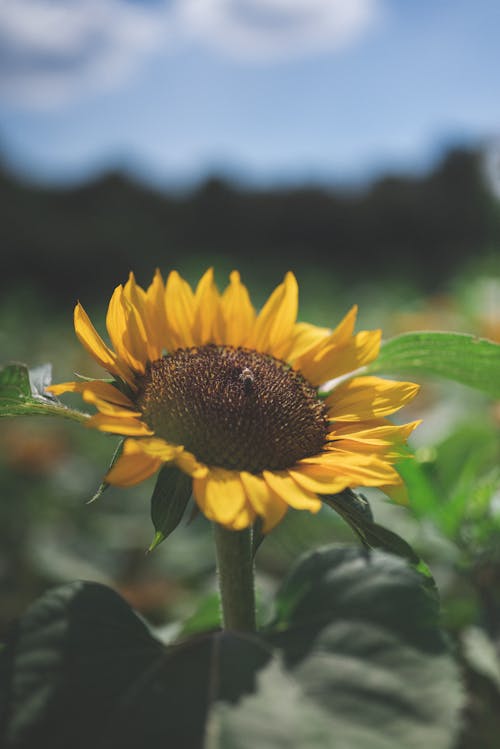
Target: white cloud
[[266, 30], [52, 50]]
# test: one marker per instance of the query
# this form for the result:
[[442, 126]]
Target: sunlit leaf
[[455, 356], [22, 394]]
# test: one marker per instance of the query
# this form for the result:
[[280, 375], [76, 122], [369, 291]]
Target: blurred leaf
[[464, 358], [15, 382], [18, 398], [207, 616], [169, 501], [83, 671], [481, 654], [104, 484], [364, 667]]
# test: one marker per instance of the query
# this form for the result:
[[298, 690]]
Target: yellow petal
[[358, 468], [135, 336], [265, 502], [310, 340], [318, 481], [304, 338], [364, 398], [398, 493], [110, 409], [237, 312], [275, 323], [207, 327], [331, 360], [344, 330], [92, 341], [156, 447], [220, 495], [156, 321], [244, 518], [148, 344], [381, 439], [132, 467], [126, 332], [188, 463], [294, 495], [180, 307], [118, 425], [104, 390]]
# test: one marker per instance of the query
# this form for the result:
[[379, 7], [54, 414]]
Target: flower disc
[[234, 408]]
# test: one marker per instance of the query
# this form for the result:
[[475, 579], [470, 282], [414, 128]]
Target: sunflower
[[231, 397]]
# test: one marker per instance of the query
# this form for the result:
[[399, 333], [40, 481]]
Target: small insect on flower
[[230, 395], [247, 378]]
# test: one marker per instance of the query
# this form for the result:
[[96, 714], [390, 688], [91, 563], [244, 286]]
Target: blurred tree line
[[80, 241]]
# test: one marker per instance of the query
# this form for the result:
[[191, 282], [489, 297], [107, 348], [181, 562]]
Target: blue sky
[[269, 90]]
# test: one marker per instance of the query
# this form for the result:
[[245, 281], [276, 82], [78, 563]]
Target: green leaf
[[464, 358], [168, 503], [365, 665], [207, 616], [15, 383], [22, 394], [83, 671], [481, 654], [357, 513], [354, 661], [349, 583]]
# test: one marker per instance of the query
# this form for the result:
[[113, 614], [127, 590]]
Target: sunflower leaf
[[364, 664], [168, 503], [357, 513], [22, 393], [354, 656], [464, 358], [82, 670]]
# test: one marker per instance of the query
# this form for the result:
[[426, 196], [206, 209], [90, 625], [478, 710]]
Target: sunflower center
[[233, 408]]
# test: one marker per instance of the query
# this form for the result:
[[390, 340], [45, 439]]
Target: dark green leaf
[[360, 687], [464, 358], [356, 512], [83, 671], [168, 503], [345, 583], [365, 666]]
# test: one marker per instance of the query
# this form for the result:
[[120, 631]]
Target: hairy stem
[[236, 578]]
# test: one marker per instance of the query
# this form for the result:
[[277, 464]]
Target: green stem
[[32, 408], [236, 583]]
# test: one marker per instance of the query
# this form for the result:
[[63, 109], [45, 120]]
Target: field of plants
[[378, 619]]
